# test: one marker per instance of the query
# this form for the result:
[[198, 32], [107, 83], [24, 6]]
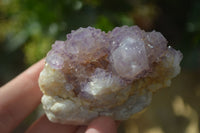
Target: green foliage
[[104, 24]]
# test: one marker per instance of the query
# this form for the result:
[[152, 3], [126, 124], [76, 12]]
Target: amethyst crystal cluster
[[94, 73]]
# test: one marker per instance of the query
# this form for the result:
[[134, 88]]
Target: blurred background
[[29, 27]]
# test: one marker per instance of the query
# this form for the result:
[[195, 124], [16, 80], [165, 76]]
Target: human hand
[[20, 96]]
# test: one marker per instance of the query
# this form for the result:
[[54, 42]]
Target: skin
[[20, 96]]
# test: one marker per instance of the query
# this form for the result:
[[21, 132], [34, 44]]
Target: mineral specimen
[[94, 73]]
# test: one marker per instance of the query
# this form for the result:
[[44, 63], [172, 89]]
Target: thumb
[[102, 125]]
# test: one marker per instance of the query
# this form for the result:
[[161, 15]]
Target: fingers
[[19, 97], [99, 125], [43, 125], [102, 125]]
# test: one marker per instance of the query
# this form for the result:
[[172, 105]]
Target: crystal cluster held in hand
[[94, 73]]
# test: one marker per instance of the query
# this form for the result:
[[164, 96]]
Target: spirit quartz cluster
[[114, 74]]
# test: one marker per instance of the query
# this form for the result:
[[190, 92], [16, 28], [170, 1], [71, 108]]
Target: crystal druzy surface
[[94, 73]]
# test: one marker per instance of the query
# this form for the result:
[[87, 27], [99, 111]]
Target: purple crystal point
[[85, 42], [129, 56], [55, 57]]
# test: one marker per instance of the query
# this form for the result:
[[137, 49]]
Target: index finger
[[20, 97]]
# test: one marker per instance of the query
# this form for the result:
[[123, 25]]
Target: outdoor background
[[29, 27]]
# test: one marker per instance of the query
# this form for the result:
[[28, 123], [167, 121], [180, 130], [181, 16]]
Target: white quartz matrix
[[94, 73]]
